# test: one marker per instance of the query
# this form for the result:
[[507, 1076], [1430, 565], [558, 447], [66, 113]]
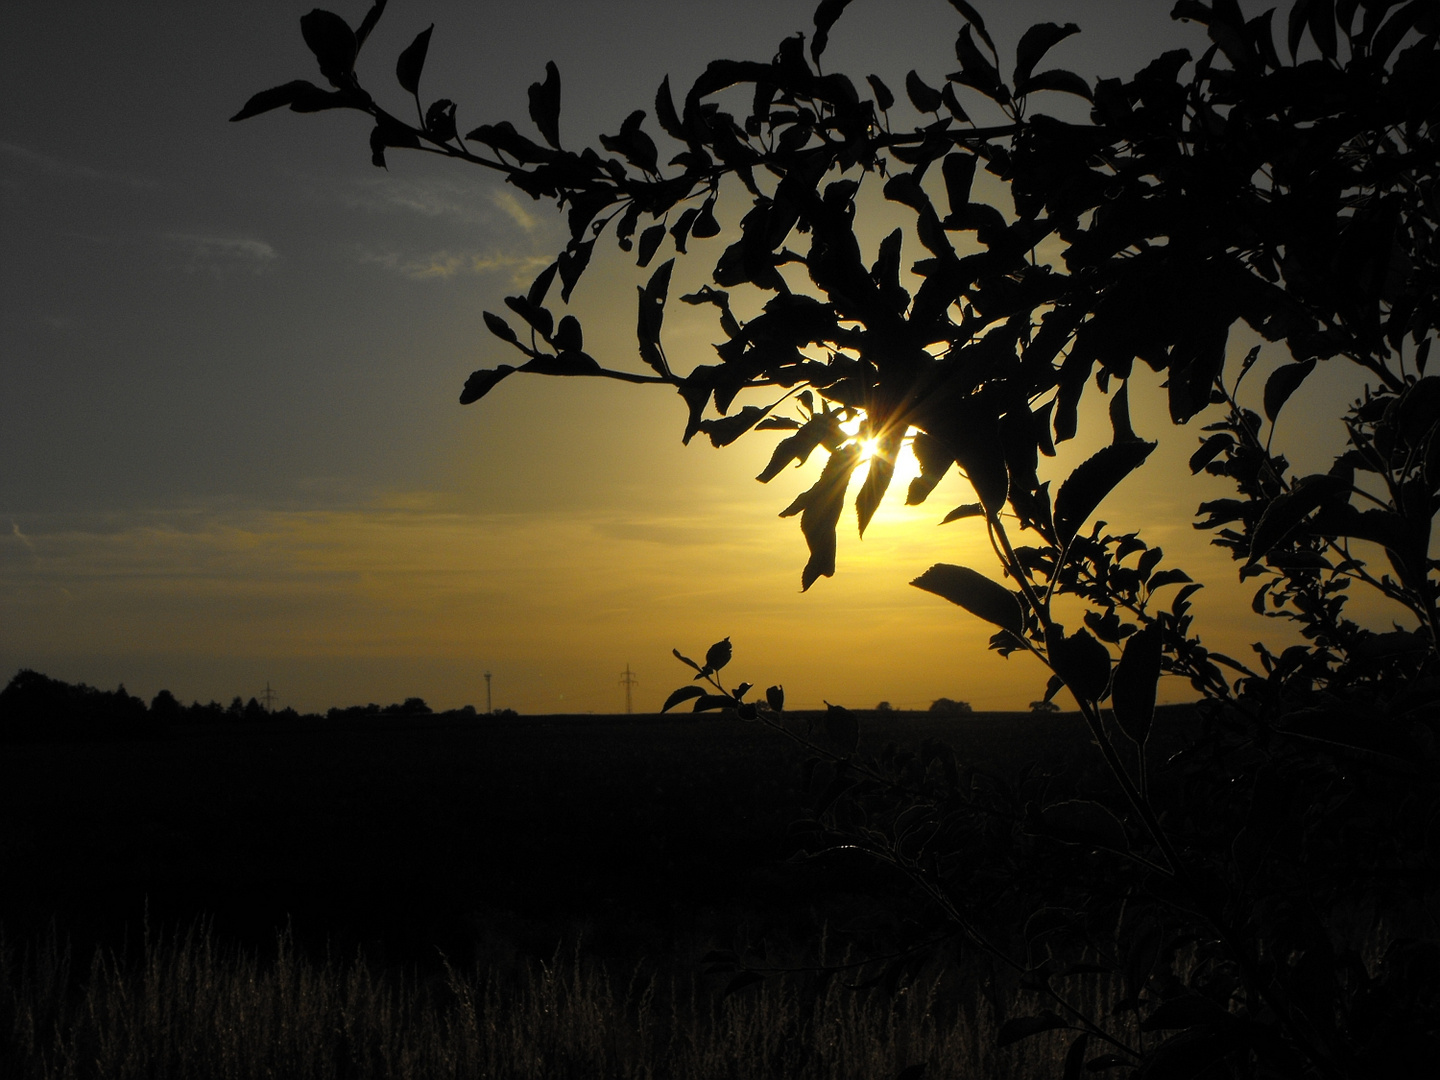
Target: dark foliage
[[1286, 184], [35, 708]]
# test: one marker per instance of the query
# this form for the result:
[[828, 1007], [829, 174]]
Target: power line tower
[[488, 708], [268, 698], [629, 681]]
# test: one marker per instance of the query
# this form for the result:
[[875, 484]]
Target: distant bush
[[34, 707], [505, 713], [1044, 707], [946, 707], [884, 707]]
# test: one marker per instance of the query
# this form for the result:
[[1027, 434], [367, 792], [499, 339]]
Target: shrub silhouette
[[947, 707], [35, 708], [1268, 901]]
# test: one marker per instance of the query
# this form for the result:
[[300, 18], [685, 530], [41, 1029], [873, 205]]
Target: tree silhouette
[[1282, 179]]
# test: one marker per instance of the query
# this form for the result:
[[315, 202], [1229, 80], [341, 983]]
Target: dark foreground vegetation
[[408, 833], [459, 895], [189, 1007]]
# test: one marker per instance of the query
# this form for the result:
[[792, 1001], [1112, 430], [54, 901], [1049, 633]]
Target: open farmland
[[409, 835]]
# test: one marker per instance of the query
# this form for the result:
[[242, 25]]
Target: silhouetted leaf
[[952, 103], [1066, 82], [974, 592], [1209, 450], [632, 143], [1080, 660], [538, 317], [649, 243], [718, 655], [825, 16], [976, 69], [1167, 577], [923, 97], [819, 429], [567, 364], [540, 287], [705, 225], [665, 111], [569, 337], [726, 429], [545, 105], [299, 95], [685, 693], [505, 138], [1022, 1027], [367, 24], [819, 509], [1132, 693], [1283, 382], [652, 316], [1120, 415], [934, 464], [1085, 488], [389, 133], [440, 120], [877, 479], [685, 659], [1396, 27], [500, 328], [970, 434], [904, 188], [884, 99], [1322, 27], [482, 382], [778, 423], [964, 510], [412, 61], [333, 43], [775, 697], [973, 17], [1287, 510], [959, 170], [571, 264], [1035, 43]]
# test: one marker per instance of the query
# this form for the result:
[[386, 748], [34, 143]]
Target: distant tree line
[[37, 708]]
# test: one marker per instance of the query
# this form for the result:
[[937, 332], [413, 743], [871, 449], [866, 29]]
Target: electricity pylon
[[629, 681], [268, 698], [488, 708]]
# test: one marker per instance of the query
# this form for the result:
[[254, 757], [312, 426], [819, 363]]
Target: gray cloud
[[55, 167], [218, 253]]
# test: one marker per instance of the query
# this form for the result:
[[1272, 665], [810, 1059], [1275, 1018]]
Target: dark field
[[404, 836]]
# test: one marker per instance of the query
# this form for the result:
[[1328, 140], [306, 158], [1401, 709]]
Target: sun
[[869, 448]]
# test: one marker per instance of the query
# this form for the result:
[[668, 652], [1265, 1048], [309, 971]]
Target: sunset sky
[[232, 353]]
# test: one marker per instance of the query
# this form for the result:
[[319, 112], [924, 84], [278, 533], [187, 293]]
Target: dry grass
[[185, 1007]]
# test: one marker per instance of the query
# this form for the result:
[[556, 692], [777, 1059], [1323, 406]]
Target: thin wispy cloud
[[476, 203], [515, 210], [218, 253], [444, 265], [52, 166]]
